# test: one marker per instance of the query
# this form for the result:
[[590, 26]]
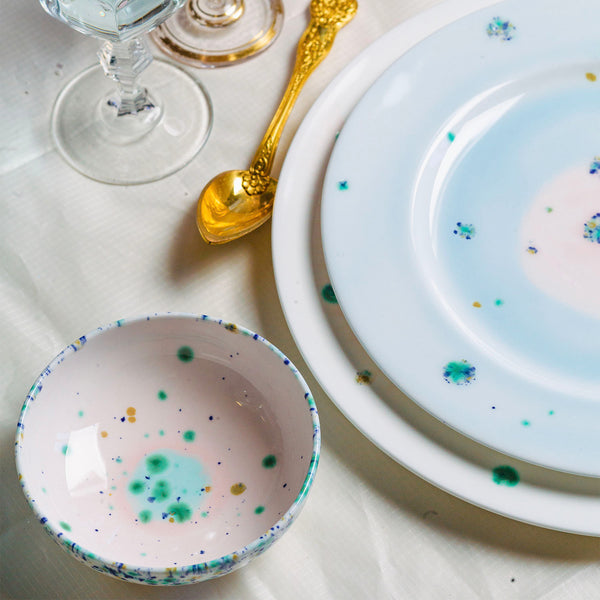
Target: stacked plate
[[436, 239]]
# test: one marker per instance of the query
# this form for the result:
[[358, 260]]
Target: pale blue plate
[[459, 222]]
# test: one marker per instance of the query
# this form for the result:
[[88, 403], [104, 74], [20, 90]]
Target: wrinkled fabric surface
[[76, 254]]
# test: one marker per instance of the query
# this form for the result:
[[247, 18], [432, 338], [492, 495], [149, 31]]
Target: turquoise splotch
[[505, 475], [499, 28], [591, 229], [342, 185], [464, 231], [595, 166], [167, 486], [459, 372], [328, 294]]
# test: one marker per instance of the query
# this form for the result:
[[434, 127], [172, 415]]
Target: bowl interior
[[166, 441]]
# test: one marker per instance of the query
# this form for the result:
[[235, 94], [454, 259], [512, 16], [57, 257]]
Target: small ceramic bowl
[[168, 449]]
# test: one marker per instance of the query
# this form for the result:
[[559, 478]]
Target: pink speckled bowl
[[168, 449]]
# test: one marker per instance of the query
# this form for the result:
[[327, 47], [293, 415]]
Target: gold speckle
[[477, 304], [207, 488], [364, 377], [130, 411], [238, 488], [131, 419], [590, 76], [104, 433], [171, 520]]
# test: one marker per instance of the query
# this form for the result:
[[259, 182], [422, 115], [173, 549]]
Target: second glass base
[[191, 39], [120, 151]]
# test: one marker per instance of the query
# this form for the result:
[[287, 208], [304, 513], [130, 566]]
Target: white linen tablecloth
[[76, 254]]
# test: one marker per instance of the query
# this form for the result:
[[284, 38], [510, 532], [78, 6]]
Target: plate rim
[[542, 498]]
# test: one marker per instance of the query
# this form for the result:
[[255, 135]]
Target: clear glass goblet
[[130, 119], [216, 33]]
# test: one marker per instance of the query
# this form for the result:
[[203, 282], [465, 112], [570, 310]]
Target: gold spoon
[[235, 203]]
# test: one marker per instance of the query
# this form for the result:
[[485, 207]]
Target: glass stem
[[123, 62]]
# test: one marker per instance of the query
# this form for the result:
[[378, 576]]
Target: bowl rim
[[228, 561]]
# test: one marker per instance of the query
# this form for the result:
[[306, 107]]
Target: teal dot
[[161, 432], [137, 487], [145, 516], [181, 512], [80, 413], [269, 461], [505, 475], [259, 510], [189, 436], [161, 491], [162, 395], [64, 449], [451, 136], [65, 526], [525, 423], [499, 302], [157, 463], [185, 354], [118, 459], [328, 294], [342, 185]]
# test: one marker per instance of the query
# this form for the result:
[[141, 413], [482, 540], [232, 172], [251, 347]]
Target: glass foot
[[125, 149], [214, 33]]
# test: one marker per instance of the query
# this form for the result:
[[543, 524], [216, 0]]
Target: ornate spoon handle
[[327, 18]]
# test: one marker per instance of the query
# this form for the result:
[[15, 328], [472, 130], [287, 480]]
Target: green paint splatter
[[145, 516], [550, 412], [269, 461], [328, 294], [499, 302], [162, 395], [204, 514], [180, 511], [525, 423], [146, 435], [161, 432], [44, 490], [342, 185], [65, 526], [549, 209], [64, 449], [161, 491], [451, 136], [80, 413], [185, 354], [157, 463], [118, 459], [137, 487], [259, 510], [505, 475], [189, 435]]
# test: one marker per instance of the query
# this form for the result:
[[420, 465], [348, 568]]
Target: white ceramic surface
[[393, 422], [168, 449], [460, 213]]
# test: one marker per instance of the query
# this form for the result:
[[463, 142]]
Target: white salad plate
[[379, 409], [461, 228]]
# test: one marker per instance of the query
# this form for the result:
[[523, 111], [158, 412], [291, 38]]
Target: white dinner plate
[[461, 228], [398, 426]]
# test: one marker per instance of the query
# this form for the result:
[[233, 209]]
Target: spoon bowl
[[228, 211], [235, 203]]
